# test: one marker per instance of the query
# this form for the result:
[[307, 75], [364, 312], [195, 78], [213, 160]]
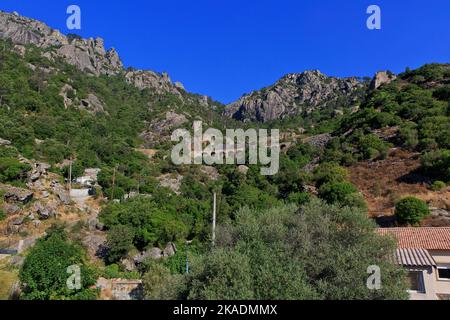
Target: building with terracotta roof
[[425, 253]]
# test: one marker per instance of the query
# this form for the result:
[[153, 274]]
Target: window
[[416, 281], [444, 273]]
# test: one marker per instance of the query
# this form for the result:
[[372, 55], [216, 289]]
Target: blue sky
[[226, 48]]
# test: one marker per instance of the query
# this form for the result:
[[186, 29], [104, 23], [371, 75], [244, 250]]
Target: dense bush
[[317, 252], [437, 164], [44, 273], [438, 185], [411, 210], [120, 242], [336, 192], [329, 172], [151, 223], [160, 284], [12, 170], [342, 193]]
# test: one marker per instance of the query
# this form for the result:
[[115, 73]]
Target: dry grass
[[385, 182], [7, 280]]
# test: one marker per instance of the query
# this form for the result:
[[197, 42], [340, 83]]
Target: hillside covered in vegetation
[[304, 233]]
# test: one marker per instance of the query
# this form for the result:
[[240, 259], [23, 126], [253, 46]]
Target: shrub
[[299, 198], [2, 215], [329, 172], [373, 147], [120, 242], [438, 185], [12, 170], [160, 284], [152, 222], [411, 210], [336, 192], [437, 164]]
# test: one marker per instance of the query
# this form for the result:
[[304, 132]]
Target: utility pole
[[139, 183], [214, 220], [113, 184], [70, 175]]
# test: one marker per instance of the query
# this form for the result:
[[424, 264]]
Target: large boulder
[[4, 142], [11, 209], [319, 141], [44, 211], [153, 253], [39, 170], [14, 194], [92, 104], [96, 244], [243, 169], [381, 78], [160, 129], [436, 212], [170, 250], [128, 264], [171, 182], [63, 196], [18, 222]]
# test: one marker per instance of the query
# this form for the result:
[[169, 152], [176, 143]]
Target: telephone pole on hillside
[[113, 183], [214, 220], [70, 174]]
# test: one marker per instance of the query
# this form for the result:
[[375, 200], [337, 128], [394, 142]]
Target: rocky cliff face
[[148, 79], [382, 77], [295, 94], [88, 55]]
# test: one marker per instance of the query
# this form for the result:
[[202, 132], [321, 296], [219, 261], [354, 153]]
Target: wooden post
[[214, 220]]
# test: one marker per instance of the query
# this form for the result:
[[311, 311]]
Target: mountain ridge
[[88, 55], [295, 94]]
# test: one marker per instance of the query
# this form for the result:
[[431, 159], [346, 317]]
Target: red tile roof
[[420, 238]]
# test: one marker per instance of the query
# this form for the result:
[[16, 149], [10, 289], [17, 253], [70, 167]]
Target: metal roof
[[414, 258]]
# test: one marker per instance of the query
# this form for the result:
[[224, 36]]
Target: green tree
[[223, 275], [44, 273], [152, 222], [317, 251], [120, 242], [160, 284], [329, 172], [411, 210]]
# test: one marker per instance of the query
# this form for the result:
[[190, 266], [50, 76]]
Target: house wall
[[442, 258], [429, 284]]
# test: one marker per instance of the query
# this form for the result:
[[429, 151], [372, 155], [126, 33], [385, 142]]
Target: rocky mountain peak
[[294, 94], [86, 54]]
